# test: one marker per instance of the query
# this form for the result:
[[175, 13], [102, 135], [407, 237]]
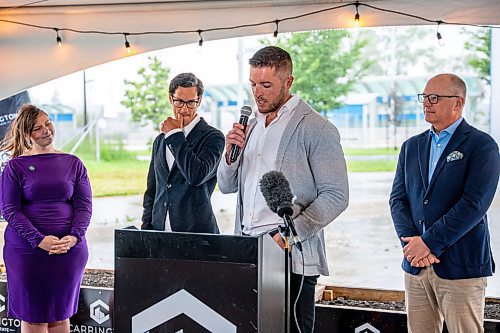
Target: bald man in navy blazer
[[445, 181], [182, 174]]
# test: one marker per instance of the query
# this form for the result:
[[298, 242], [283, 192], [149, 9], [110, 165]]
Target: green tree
[[394, 52], [147, 98], [479, 45], [401, 50], [325, 65]]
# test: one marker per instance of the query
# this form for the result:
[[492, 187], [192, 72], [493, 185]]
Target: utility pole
[[85, 120], [495, 85], [241, 88]]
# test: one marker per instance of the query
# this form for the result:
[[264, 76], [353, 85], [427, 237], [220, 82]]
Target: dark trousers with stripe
[[305, 303]]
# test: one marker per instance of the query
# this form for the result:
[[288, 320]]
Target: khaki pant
[[430, 299]]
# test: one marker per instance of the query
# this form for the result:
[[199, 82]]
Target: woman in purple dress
[[47, 202]]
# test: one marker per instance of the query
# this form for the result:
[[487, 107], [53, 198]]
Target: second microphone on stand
[[278, 195]]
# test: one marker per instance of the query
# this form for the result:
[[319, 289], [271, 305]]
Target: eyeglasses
[[432, 98], [179, 103]]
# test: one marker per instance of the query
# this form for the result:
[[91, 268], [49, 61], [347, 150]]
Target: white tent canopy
[[30, 56]]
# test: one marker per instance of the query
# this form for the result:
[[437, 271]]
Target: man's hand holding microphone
[[235, 139]]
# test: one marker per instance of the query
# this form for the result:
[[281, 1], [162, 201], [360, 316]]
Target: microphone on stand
[[246, 111], [278, 195]]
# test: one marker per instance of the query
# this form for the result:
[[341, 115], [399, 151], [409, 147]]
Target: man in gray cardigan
[[287, 135]]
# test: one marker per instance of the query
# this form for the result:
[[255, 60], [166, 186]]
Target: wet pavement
[[362, 247]]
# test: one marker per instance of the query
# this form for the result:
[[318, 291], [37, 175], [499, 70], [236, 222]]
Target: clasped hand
[[54, 245], [417, 252]]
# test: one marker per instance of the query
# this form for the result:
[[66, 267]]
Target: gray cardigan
[[311, 158]]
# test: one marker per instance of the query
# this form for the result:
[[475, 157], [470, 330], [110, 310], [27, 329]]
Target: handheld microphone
[[278, 195], [246, 111]]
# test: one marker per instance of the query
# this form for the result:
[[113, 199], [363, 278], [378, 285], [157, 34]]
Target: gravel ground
[[491, 310], [99, 278], [91, 278]]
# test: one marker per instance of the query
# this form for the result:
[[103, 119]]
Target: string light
[[357, 4], [356, 17], [58, 38], [127, 44], [200, 42], [438, 35]]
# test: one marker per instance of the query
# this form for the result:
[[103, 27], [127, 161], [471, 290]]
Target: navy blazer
[[453, 205], [184, 191]]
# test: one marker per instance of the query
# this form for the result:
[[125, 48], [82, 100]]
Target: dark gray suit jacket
[[185, 190]]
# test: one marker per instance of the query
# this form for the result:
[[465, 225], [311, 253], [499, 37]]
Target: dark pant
[[305, 304]]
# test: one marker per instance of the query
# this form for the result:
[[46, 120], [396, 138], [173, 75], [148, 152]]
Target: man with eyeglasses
[[182, 172], [445, 181]]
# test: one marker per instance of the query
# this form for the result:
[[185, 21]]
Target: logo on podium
[[97, 313], [366, 328], [182, 302]]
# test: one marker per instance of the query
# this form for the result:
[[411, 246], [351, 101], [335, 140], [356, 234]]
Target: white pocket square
[[453, 156]]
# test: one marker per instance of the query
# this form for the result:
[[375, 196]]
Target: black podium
[[181, 282]]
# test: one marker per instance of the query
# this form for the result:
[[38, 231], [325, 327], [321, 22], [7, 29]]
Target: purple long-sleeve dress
[[46, 194]]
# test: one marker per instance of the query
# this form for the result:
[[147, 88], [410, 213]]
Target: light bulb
[[127, 44], [356, 20]]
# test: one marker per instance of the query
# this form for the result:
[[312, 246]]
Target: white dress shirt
[[171, 158], [259, 158]]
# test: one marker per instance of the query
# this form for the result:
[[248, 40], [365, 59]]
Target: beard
[[276, 103]]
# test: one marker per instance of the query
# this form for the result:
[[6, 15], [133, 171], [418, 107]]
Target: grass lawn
[[370, 151], [117, 177], [128, 176], [372, 166]]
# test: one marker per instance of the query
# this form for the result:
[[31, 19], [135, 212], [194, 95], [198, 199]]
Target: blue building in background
[[378, 111]]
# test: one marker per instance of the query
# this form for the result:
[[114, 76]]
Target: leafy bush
[[110, 149]]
